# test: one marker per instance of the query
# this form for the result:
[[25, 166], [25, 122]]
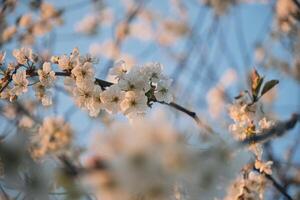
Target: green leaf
[[257, 89], [268, 86]]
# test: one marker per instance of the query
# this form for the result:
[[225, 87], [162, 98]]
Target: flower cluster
[[249, 120], [134, 90], [131, 93], [247, 114], [54, 137], [250, 186], [123, 156], [27, 60], [138, 85]]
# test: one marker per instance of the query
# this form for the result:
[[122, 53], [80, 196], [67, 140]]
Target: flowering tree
[[100, 125]]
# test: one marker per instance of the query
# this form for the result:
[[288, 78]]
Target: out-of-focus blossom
[[8, 33], [88, 25], [25, 20], [2, 57], [220, 7], [142, 30], [286, 10], [53, 137], [26, 122], [48, 11], [111, 50], [259, 54], [215, 97], [215, 100], [170, 31], [126, 154]]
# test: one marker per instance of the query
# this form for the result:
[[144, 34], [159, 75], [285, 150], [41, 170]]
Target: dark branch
[[104, 84], [296, 2], [276, 184]]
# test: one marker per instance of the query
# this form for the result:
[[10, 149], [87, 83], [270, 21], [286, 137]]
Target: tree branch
[[278, 130], [104, 84], [277, 185]]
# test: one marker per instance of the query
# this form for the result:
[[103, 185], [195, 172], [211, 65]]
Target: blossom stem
[[277, 185]]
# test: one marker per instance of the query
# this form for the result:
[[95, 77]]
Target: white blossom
[[83, 95], [95, 104], [265, 124], [84, 73], [67, 63], [64, 62], [162, 91], [152, 72], [46, 75], [264, 166], [20, 83], [134, 81], [134, 102], [112, 98], [23, 55], [249, 187], [119, 70]]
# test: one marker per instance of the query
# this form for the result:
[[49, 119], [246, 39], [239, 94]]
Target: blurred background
[[208, 48]]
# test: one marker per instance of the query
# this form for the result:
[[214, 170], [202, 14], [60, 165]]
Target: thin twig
[[276, 184], [192, 114]]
